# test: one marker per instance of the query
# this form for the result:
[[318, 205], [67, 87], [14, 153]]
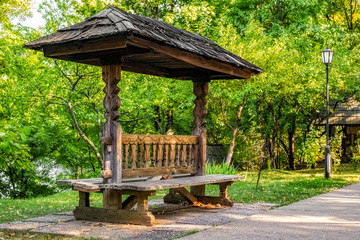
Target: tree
[[350, 11], [10, 9]]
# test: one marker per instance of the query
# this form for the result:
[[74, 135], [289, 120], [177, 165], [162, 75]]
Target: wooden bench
[[146, 159]]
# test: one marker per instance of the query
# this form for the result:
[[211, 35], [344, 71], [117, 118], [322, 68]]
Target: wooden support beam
[[109, 57], [114, 216], [200, 90], [112, 199], [84, 199], [173, 197], [223, 187], [142, 199], [130, 202], [142, 68], [216, 200], [186, 194], [134, 192], [158, 139], [83, 47], [223, 198], [193, 59], [111, 141], [157, 171]]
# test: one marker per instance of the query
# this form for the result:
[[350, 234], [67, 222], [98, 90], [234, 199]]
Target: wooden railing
[[156, 155]]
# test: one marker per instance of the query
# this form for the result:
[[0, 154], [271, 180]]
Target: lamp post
[[327, 56]]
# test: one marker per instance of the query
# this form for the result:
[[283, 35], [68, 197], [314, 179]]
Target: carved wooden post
[[200, 90], [111, 141]]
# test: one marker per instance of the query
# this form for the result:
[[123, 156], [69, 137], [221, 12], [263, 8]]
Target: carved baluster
[[188, 154], [172, 155], [183, 155], [126, 156], [178, 155], [147, 155], [166, 163], [133, 157], [141, 156], [196, 154], [155, 159], [192, 153], [160, 155]]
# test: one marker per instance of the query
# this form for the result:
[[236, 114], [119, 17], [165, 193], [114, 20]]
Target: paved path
[[168, 225], [334, 215]]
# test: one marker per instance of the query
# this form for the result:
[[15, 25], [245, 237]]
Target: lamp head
[[327, 56]]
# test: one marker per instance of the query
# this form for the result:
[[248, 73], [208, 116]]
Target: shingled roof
[[143, 45], [343, 113]]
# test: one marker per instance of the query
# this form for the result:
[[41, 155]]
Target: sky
[[36, 20]]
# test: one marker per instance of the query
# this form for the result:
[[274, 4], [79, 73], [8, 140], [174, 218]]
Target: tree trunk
[[291, 138], [96, 110], [265, 152], [266, 140], [232, 144], [157, 118], [169, 121], [234, 129], [83, 136], [272, 148]]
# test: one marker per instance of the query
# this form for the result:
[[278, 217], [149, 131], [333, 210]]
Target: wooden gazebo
[[116, 40], [347, 115]]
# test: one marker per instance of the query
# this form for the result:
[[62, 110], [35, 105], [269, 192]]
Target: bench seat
[[96, 185], [172, 183], [139, 189]]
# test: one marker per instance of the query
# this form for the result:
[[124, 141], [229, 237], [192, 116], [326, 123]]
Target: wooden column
[[111, 141], [200, 89]]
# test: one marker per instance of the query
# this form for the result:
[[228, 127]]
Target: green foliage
[[10, 9], [220, 169], [312, 150], [355, 158], [277, 127]]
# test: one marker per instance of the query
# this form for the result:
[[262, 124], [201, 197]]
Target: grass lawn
[[276, 186], [286, 187]]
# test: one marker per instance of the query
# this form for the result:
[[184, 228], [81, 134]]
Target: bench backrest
[[156, 155]]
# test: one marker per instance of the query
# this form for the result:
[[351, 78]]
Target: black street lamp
[[327, 56]]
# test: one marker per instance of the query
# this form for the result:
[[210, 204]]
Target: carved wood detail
[[154, 155], [200, 90], [158, 139], [111, 141]]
